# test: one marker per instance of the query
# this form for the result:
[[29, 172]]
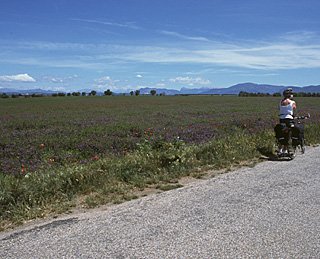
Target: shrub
[[108, 92], [4, 95]]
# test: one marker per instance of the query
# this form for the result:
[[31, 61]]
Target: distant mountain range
[[29, 91], [235, 89]]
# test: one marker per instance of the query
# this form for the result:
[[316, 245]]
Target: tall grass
[[114, 179], [312, 134]]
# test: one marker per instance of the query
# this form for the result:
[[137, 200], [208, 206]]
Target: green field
[[38, 131], [55, 149]]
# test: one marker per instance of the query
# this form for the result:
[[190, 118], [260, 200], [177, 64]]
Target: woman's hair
[[287, 93]]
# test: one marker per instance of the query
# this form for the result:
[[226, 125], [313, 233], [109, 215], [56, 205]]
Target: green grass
[[114, 180], [151, 154]]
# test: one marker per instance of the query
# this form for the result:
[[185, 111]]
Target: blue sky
[[124, 45]]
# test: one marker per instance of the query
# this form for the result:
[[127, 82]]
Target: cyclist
[[287, 108]]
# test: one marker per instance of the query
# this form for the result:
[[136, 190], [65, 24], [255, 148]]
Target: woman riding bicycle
[[287, 108]]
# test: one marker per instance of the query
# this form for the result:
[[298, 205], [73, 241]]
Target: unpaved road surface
[[269, 211]]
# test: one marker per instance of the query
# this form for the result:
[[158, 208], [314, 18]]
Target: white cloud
[[103, 80], [115, 85], [106, 82], [190, 81], [300, 36], [289, 51], [71, 62], [17, 78], [184, 37], [56, 80], [160, 85], [130, 25], [139, 76], [53, 79], [257, 56]]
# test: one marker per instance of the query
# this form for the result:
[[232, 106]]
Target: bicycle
[[290, 138]]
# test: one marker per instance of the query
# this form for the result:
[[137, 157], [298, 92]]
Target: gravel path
[[269, 211]]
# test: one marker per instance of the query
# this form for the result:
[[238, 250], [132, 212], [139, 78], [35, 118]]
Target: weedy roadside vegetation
[[192, 134]]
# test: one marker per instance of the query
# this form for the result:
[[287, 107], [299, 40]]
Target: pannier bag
[[281, 132], [297, 134]]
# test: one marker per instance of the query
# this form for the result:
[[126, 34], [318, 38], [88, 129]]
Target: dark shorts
[[289, 122]]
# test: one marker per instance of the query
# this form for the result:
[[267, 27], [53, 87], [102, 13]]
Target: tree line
[[152, 92], [61, 94], [58, 94], [299, 94]]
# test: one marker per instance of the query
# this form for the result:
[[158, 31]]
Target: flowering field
[[45, 132]]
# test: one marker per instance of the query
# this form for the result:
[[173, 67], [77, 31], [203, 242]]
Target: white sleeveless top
[[286, 112]]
